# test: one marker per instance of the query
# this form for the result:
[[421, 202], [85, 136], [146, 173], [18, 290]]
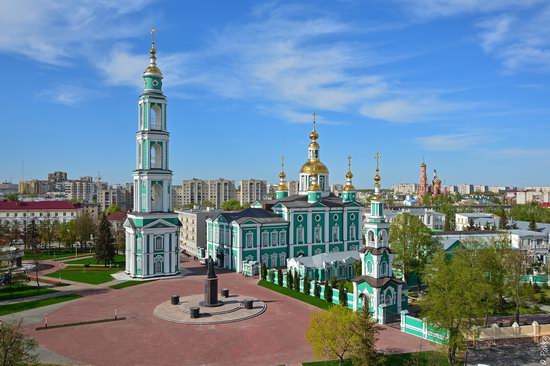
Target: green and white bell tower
[[152, 228]]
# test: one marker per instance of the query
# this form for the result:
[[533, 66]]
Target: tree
[[280, 276], [533, 225], [330, 333], [232, 205], [48, 232], [316, 290], [455, 298], [520, 293], [113, 208], [16, 348], [450, 212], [412, 243], [306, 285], [289, 279], [342, 294], [68, 233], [365, 329], [328, 293], [296, 285], [263, 272], [85, 228], [105, 243], [32, 238], [503, 222], [357, 268], [206, 203]]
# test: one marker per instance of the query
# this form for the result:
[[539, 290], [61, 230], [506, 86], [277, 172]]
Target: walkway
[[275, 337]]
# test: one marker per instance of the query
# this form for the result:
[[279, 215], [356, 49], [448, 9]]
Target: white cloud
[[68, 95], [454, 141], [446, 8], [410, 109]]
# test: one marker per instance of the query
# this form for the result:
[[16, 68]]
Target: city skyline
[[382, 77]]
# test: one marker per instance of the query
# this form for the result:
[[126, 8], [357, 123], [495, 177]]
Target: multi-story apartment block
[[252, 190], [33, 187], [523, 197], [405, 188], [121, 196], [197, 191], [466, 188], [481, 188], [192, 236], [177, 197], [82, 189], [8, 188], [57, 177]]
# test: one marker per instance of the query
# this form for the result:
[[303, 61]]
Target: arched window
[[383, 269], [300, 234], [156, 118], [274, 239], [282, 259], [158, 243], [274, 260], [282, 237], [156, 156], [382, 236], [265, 239], [317, 234], [371, 237], [140, 155], [158, 264], [352, 232], [139, 265], [249, 239], [335, 233], [265, 259], [350, 272], [138, 245], [317, 251], [156, 197], [369, 267]]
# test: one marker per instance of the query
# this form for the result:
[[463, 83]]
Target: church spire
[[349, 190], [152, 69], [282, 189]]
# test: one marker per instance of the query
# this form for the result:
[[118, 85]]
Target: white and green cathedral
[[377, 288], [152, 228], [312, 222]]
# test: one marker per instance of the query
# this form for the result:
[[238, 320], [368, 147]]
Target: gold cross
[[377, 157], [349, 162], [282, 162], [314, 115], [153, 30]]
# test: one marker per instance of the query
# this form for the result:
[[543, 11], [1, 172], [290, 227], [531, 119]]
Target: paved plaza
[[274, 337]]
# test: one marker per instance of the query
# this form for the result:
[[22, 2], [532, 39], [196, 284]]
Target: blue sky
[[463, 83]]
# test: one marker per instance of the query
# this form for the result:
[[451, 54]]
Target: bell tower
[[152, 228]]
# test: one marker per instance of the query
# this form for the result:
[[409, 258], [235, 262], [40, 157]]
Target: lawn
[[51, 254], [128, 284], [295, 294], [22, 306], [87, 275], [119, 260], [427, 358], [22, 291]]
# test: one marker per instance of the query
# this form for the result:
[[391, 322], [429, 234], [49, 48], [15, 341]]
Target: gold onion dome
[[314, 135], [314, 166], [282, 175], [349, 174], [349, 188]]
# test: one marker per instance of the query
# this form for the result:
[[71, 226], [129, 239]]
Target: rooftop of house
[[38, 205]]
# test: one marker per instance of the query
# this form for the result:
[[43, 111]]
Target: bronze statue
[[210, 268]]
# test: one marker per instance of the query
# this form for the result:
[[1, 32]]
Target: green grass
[[426, 358], [86, 275], [45, 254], [119, 259], [127, 284], [22, 291], [322, 304], [22, 306]]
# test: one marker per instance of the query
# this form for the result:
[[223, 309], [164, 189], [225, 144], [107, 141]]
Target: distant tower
[[423, 187], [436, 184], [282, 189], [349, 190], [152, 228]]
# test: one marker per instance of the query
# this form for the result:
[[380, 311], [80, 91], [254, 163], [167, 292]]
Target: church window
[[282, 237], [383, 269], [371, 237], [369, 267], [156, 198], [139, 244], [216, 234], [265, 259], [317, 251], [156, 155], [273, 260], [335, 233], [249, 238], [300, 218], [265, 239], [274, 238], [158, 243], [282, 259], [317, 234], [382, 236], [139, 264], [335, 217], [158, 264], [352, 217], [350, 272], [352, 232], [317, 217], [300, 234], [227, 236], [156, 120]]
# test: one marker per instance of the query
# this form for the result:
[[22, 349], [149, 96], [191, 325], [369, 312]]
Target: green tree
[[113, 208], [15, 347], [232, 205], [280, 276], [68, 233], [503, 222], [365, 329], [316, 290], [289, 279], [450, 212], [328, 293], [105, 242], [533, 225], [48, 232], [32, 237], [296, 285], [330, 333], [520, 293], [357, 268], [85, 228], [207, 203], [412, 243], [342, 294], [306, 285], [263, 271]]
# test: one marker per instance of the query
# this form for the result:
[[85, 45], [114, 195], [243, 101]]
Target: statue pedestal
[[211, 293]]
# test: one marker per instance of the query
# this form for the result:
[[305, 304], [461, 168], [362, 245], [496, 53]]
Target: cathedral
[[312, 222], [152, 248]]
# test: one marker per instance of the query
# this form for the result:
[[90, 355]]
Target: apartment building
[[197, 191]]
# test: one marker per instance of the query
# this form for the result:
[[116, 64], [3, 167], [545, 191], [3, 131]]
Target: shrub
[[263, 272], [87, 265], [306, 285], [536, 287], [342, 294], [316, 290], [289, 279], [271, 276], [545, 286], [280, 276], [296, 281], [328, 293]]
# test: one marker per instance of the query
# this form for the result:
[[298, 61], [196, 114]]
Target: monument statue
[[210, 273]]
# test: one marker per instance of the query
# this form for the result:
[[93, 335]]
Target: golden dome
[[314, 166], [313, 145], [282, 175], [282, 187], [349, 174], [314, 187], [314, 135], [152, 69], [349, 188], [423, 165]]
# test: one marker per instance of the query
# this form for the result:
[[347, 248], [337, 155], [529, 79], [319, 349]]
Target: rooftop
[[37, 206], [318, 260], [258, 214]]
